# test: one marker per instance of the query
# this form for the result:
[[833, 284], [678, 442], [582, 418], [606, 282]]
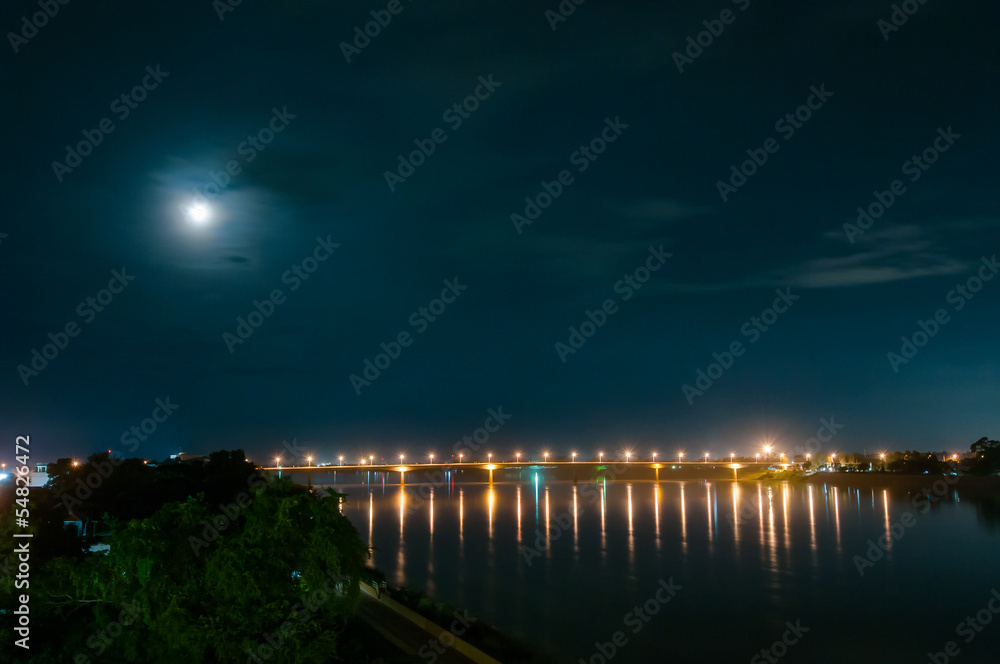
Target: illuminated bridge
[[636, 469]]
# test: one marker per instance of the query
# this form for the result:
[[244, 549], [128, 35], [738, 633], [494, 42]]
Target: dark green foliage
[[268, 564], [987, 455]]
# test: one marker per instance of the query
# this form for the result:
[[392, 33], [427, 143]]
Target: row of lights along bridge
[[600, 457]]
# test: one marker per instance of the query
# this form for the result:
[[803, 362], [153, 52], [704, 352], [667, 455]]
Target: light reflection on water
[[603, 546]]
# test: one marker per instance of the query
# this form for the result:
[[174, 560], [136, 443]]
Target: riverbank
[[498, 646], [980, 485]]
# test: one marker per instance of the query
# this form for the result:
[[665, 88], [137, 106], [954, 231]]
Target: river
[[696, 570]]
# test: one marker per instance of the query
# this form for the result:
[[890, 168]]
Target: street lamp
[[767, 451], [731, 455], [401, 459], [546, 454], [680, 455], [654, 457], [489, 457], [758, 456], [706, 457], [309, 461], [460, 457], [600, 457], [574, 457], [627, 455], [277, 462], [432, 457], [371, 459], [341, 459], [517, 455]]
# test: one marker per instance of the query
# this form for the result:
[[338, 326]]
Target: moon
[[198, 213]]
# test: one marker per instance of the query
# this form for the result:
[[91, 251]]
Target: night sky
[[645, 140]]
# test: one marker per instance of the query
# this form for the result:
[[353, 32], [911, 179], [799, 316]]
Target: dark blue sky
[[881, 102]]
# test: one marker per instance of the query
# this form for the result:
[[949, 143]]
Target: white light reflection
[[631, 533], [576, 529], [656, 513], [736, 516], [888, 529], [684, 531], [836, 518], [519, 514], [548, 543]]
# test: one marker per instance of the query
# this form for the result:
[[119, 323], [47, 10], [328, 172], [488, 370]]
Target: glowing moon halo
[[198, 213]]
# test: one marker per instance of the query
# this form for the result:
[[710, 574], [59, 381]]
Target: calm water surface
[[565, 565]]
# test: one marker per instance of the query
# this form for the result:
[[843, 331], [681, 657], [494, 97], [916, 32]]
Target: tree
[[986, 455], [274, 572]]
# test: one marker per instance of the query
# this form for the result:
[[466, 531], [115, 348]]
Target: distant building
[[39, 476], [184, 456]]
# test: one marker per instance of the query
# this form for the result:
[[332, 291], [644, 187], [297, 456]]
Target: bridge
[[616, 467]]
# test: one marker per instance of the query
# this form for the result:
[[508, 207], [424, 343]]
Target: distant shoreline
[[982, 485]]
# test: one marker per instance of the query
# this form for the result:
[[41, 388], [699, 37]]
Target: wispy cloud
[[887, 255]]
